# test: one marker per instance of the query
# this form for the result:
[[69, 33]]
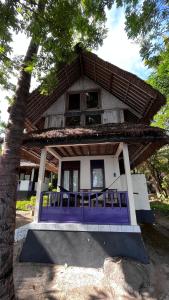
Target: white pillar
[[129, 185], [40, 183], [32, 174], [59, 173]]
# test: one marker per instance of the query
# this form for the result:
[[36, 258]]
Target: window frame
[[83, 111], [91, 173], [67, 102]]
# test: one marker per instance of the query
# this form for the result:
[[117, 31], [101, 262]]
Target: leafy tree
[[156, 167], [147, 22], [156, 171], [159, 79], [54, 27]]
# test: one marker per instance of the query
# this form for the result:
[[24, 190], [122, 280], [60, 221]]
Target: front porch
[[108, 207], [93, 191]]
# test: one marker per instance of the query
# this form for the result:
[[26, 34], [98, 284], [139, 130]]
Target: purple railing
[[111, 207]]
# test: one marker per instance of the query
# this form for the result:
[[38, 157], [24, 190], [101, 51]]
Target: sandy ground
[[37, 281], [23, 218]]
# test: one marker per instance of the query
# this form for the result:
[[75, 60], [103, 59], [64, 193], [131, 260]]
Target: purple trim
[[111, 208]]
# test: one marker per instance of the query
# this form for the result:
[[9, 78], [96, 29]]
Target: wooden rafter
[[128, 88]]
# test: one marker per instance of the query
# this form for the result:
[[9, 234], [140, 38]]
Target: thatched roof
[[143, 140], [144, 100], [99, 133]]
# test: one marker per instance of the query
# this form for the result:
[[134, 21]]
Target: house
[[28, 179], [94, 129]]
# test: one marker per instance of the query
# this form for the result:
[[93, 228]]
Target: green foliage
[[56, 29], [23, 205], [26, 204], [159, 79], [161, 207], [157, 172], [30, 203], [147, 21], [2, 126]]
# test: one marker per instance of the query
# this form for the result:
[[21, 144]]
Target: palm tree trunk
[[9, 164]]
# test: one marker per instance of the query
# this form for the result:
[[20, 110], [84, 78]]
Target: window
[[70, 175], [121, 164], [97, 174], [83, 108], [74, 102], [93, 119], [92, 100], [73, 121]]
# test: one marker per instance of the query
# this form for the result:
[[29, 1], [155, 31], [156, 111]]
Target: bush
[[22, 205], [26, 204], [30, 204], [160, 206]]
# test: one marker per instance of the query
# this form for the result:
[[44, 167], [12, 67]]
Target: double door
[[70, 175]]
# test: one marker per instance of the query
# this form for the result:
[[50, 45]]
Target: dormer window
[[93, 119], [73, 121], [83, 108], [92, 100], [74, 102]]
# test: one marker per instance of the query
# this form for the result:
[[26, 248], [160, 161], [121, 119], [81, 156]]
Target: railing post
[[119, 199], [104, 198], [89, 199], [68, 200], [97, 200], [40, 207], [75, 199]]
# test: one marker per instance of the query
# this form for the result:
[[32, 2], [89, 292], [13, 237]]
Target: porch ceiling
[[86, 150], [34, 154]]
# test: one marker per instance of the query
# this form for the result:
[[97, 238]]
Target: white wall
[[54, 116], [112, 166], [110, 163], [140, 187], [24, 185]]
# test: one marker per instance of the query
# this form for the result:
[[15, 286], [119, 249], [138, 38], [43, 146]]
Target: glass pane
[[66, 176], [74, 102], [73, 121], [75, 180], [97, 178], [93, 119], [92, 99]]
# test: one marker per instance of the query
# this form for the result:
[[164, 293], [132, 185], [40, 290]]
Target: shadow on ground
[[119, 279]]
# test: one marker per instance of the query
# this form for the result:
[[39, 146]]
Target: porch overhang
[[142, 139]]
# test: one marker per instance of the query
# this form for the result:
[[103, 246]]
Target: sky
[[116, 49]]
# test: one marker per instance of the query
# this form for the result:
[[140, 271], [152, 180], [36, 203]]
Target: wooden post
[[40, 183], [129, 185]]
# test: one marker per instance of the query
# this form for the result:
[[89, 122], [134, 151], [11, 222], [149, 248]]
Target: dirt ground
[[23, 218], [37, 281]]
